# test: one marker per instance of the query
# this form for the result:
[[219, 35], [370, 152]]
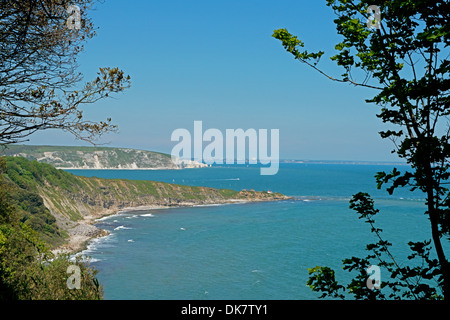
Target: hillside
[[62, 206], [64, 157]]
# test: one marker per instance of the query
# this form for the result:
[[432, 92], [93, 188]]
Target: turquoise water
[[253, 250]]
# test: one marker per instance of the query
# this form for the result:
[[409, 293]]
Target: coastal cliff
[[66, 157], [65, 206]]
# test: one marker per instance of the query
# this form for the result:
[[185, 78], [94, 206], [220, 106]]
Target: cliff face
[[98, 197], [75, 201], [99, 158]]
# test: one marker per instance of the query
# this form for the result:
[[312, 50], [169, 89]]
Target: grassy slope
[[13, 149], [43, 193], [75, 156]]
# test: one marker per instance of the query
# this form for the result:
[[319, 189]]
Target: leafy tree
[[40, 89], [28, 269], [404, 57], [39, 83]]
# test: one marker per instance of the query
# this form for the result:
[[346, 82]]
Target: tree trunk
[[444, 264]]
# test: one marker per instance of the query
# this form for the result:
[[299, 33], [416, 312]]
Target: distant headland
[[65, 206], [74, 157]]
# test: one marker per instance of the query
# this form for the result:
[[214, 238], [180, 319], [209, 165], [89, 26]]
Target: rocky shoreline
[[77, 202], [85, 230]]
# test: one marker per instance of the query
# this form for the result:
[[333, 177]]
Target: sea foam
[[147, 215], [122, 228]]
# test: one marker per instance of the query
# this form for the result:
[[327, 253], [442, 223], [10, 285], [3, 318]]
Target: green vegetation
[[32, 184], [45, 90], [41, 89], [92, 157], [30, 175], [27, 270], [33, 195], [23, 178], [404, 60]]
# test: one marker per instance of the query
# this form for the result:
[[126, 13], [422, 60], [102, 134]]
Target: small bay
[[250, 251]]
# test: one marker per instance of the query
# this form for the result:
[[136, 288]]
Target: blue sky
[[216, 61]]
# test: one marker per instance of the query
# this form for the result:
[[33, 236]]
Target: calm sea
[[253, 250]]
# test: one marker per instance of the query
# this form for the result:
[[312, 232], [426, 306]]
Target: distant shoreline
[[162, 168], [337, 162]]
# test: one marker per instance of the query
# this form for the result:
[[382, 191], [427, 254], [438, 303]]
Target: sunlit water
[[251, 250]]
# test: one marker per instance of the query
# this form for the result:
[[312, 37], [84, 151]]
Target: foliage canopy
[[40, 89], [39, 83], [406, 62]]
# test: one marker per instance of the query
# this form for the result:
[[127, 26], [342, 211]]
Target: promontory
[[62, 207]]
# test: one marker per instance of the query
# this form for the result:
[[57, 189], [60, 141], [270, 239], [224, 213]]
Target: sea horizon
[[252, 250]]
